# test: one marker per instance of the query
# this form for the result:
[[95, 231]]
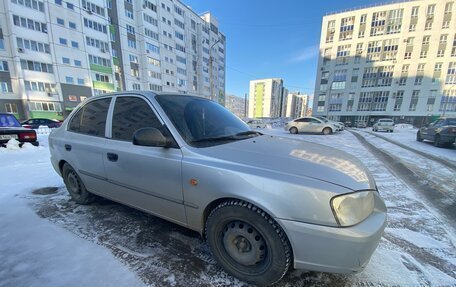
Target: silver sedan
[[264, 203]]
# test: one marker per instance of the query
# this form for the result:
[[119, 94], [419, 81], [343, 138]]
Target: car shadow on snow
[[159, 252]]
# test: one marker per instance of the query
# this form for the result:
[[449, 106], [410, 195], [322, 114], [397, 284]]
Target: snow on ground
[[407, 135], [35, 252], [49, 240], [400, 259]]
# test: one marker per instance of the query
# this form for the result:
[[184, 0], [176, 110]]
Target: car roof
[[144, 93]]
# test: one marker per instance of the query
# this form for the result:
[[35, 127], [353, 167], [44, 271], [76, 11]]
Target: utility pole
[[210, 71], [245, 105]]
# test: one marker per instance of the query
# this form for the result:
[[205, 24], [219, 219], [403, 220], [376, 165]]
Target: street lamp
[[210, 69]]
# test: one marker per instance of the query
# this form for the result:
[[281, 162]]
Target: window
[[153, 61], [72, 25], [93, 8], [418, 80], [69, 80], [4, 66], [103, 46], [95, 26], [448, 7], [430, 10], [152, 48], [58, 2], [151, 34], [81, 81], [74, 44], [36, 66], [131, 43], [29, 24], [77, 63], [428, 25], [63, 41], [99, 61], [11, 108], [426, 40], [130, 29], [2, 45], [133, 58], [129, 13], [131, 114], [33, 4], [91, 118], [438, 67], [60, 21], [5, 87], [70, 6], [421, 67], [66, 60], [415, 10]]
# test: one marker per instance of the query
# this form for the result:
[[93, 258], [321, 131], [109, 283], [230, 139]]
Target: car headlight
[[352, 208]]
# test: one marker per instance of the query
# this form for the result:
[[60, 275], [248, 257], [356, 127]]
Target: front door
[[148, 178]]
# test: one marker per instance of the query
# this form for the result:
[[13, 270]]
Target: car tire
[[418, 137], [293, 130], [327, 131], [437, 141], [248, 243], [75, 186]]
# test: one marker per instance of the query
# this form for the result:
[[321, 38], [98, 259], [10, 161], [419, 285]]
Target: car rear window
[[9, 121]]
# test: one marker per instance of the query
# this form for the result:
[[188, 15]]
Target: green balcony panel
[[101, 69], [103, 86], [46, 115]]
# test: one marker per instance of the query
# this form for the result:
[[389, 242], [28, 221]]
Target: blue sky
[[271, 38]]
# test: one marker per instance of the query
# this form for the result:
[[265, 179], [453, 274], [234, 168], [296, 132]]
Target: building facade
[[236, 105], [396, 60], [266, 98], [56, 53], [296, 105]]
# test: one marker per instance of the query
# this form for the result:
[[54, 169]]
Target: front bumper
[[335, 249]]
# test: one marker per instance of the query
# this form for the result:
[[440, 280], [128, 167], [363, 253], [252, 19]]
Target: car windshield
[[8, 121], [323, 119], [202, 122]]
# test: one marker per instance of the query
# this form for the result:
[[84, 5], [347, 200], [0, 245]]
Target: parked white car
[[258, 124], [383, 125], [310, 125]]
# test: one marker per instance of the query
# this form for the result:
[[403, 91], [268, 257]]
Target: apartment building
[[56, 53], [266, 98], [396, 60], [296, 105], [236, 105]]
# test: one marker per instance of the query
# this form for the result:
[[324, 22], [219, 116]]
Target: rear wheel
[[327, 131], [418, 137], [75, 186], [293, 130], [248, 243]]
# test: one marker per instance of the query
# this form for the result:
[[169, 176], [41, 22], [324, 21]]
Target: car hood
[[295, 157]]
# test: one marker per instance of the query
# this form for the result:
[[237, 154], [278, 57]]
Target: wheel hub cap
[[243, 243]]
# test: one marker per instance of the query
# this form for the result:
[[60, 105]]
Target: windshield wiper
[[238, 136]]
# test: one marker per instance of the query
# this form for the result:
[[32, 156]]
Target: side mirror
[[150, 137]]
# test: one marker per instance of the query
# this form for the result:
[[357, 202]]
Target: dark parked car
[[10, 128], [442, 132], [36, 123]]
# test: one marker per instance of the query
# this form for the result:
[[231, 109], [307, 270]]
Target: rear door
[[149, 178], [303, 124], [84, 143]]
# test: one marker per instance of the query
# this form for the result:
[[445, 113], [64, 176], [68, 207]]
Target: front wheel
[[75, 186], [327, 131], [437, 141], [248, 243], [293, 130]]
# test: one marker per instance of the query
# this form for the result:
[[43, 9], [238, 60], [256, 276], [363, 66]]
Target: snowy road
[[59, 240]]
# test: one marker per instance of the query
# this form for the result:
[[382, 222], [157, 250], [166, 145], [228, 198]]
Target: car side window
[[314, 121], [91, 118], [131, 114], [306, 120]]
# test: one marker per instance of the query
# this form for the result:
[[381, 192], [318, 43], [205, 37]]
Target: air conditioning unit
[[21, 50]]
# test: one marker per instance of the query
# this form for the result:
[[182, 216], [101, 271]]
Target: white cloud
[[306, 54]]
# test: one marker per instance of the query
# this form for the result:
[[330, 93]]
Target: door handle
[[67, 147], [112, 156]]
